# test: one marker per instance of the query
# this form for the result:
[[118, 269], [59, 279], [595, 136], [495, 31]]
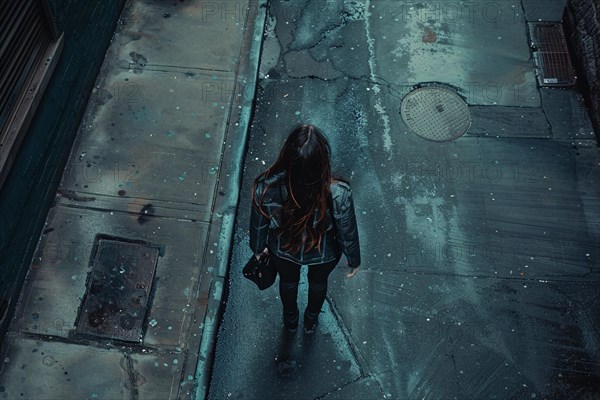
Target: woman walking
[[302, 216]]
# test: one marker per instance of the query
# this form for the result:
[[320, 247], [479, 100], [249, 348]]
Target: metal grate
[[552, 55], [23, 38], [29, 49], [118, 291], [435, 113]]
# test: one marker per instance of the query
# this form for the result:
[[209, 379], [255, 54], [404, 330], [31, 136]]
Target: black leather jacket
[[341, 235]]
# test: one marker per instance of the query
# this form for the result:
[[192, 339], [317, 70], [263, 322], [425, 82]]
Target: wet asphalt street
[[480, 275]]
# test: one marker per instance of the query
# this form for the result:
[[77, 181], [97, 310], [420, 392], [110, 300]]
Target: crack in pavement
[[504, 278], [325, 29], [133, 376], [396, 91], [363, 78], [345, 385], [361, 361], [456, 373], [342, 12]]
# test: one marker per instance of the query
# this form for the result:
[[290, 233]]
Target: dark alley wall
[[583, 29], [30, 187]]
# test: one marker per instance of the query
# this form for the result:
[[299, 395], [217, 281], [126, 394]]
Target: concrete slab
[[447, 336], [464, 205], [67, 371], [567, 114], [301, 63], [497, 121], [478, 47], [153, 34], [152, 120], [158, 374], [62, 371], [57, 281]]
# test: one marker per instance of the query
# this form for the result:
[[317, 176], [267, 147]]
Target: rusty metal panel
[[118, 291]]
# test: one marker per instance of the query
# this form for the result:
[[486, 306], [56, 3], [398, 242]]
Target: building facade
[[33, 160]]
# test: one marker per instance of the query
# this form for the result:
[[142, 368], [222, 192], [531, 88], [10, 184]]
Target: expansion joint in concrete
[[360, 360], [591, 278], [456, 373], [131, 348], [324, 396], [132, 376], [552, 133]]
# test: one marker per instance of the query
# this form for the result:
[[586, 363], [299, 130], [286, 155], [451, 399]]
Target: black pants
[[289, 277]]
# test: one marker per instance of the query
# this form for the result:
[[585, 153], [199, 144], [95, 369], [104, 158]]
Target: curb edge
[[211, 323]]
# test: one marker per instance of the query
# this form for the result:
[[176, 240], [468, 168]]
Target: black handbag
[[261, 271]]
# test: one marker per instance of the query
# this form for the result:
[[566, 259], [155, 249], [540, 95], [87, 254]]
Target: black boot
[[310, 322], [290, 321]]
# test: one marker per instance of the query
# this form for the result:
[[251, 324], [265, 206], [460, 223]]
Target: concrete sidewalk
[[156, 161]]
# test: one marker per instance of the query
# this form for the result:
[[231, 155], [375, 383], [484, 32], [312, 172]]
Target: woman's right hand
[[352, 273]]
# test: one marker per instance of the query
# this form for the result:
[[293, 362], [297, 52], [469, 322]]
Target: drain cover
[[116, 299], [435, 113], [551, 54]]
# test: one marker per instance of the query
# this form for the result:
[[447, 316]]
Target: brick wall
[[31, 184], [582, 25]]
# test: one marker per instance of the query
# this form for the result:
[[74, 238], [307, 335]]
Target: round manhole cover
[[435, 113]]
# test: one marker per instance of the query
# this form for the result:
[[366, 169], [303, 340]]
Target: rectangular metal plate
[[118, 290], [552, 55]]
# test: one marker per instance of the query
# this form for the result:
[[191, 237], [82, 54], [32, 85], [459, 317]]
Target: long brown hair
[[304, 158]]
